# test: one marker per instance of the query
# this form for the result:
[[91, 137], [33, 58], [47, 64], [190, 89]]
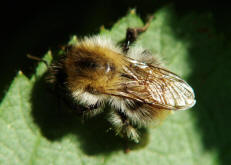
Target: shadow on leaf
[[55, 121]]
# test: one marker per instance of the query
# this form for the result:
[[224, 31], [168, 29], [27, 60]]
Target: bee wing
[[155, 86]]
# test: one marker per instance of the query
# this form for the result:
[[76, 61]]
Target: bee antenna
[[37, 59]]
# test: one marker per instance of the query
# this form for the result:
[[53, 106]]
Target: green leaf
[[36, 130]]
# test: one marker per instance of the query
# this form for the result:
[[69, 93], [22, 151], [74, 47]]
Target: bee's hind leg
[[132, 34], [122, 126]]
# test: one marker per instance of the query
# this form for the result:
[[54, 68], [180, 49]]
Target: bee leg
[[123, 126], [132, 34], [91, 110], [38, 59], [86, 110]]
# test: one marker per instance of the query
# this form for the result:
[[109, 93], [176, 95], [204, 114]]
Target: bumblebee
[[96, 72]]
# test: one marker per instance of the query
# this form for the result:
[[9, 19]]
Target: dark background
[[36, 26]]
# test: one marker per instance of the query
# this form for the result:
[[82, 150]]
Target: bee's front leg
[[132, 34]]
